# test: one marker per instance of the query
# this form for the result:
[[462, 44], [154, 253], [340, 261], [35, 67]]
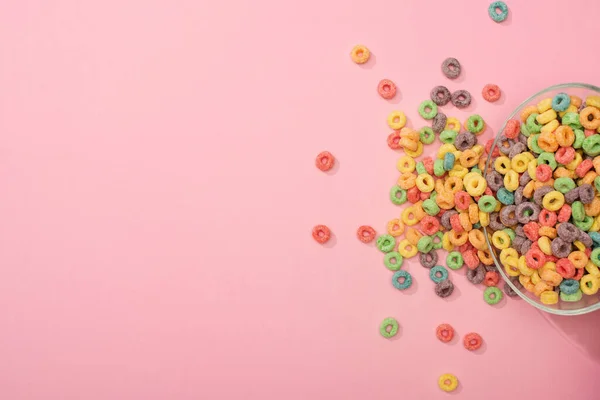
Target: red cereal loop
[[472, 341], [551, 258], [531, 230], [365, 234], [512, 128], [393, 140], [543, 172], [535, 245], [565, 268], [547, 218], [491, 92], [324, 161], [564, 213], [386, 89], [430, 225], [588, 251], [584, 167], [491, 278], [465, 247], [428, 164], [444, 332], [413, 194], [321, 233], [462, 200], [455, 222], [470, 258], [589, 132], [425, 195], [565, 155], [535, 258], [579, 274]]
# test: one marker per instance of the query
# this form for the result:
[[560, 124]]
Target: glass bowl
[[587, 303]]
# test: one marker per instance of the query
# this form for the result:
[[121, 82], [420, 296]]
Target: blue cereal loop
[[503, 11], [561, 102], [438, 274], [569, 286], [407, 280], [595, 238], [505, 197], [449, 159]]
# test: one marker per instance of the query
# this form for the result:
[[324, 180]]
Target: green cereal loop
[[532, 125], [448, 136], [388, 322], [426, 135], [430, 207], [386, 243], [511, 233], [525, 130], [487, 203], [596, 183], [432, 109], [398, 200], [433, 195], [533, 143], [476, 170], [497, 295], [475, 123], [438, 167], [571, 297], [564, 184], [454, 260], [571, 119], [577, 211], [579, 138], [591, 145], [436, 239], [393, 256], [420, 167], [586, 224], [548, 159], [595, 256], [476, 225], [425, 244]]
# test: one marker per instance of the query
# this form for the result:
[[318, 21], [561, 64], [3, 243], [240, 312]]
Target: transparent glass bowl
[[587, 303]]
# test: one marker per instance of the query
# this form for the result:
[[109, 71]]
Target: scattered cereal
[[491, 92], [494, 8], [444, 332], [451, 68], [386, 89], [472, 341], [388, 327], [448, 382], [365, 234], [360, 54], [325, 161], [321, 233]]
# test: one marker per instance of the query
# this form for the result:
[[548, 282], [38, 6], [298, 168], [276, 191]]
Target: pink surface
[[159, 191]]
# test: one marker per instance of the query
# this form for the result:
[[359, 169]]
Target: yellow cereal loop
[[512, 269], [531, 168], [592, 269], [502, 164], [395, 227], [452, 124], [593, 101], [553, 201], [508, 253], [511, 181], [544, 243], [458, 171], [548, 266], [468, 158], [406, 164], [501, 240], [596, 225], [425, 183], [550, 126], [523, 268], [544, 105], [575, 163], [479, 149], [475, 184], [484, 218], [525, 279], [580, 246], [569, 109], [396, 120], [549, 297], [546, 116], [519, 163], [589, 284], [535, 278], [448, 382], [445, 148], [417, 152], [446, 244], [407, 249], [408, 216]]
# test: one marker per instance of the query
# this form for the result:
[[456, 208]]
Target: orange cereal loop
[[409, 144], [407, 180], [453, 184], [395, 227], [593, 209], [484, 256], [589, 177], [445, 201], [473, 213], [360, 54], [547, 231], [409, 133], [589, 118], [596, 164], [465, 222], [562, 172], [468, 158], [419, 212], [564, 135], [547, 141], [386, 89], [324, 161], [578, 258], [576, 101], [527, 111], [413, 236], [458, 239], [477, 239]]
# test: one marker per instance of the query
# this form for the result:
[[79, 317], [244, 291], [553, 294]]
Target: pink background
[[159, 191]]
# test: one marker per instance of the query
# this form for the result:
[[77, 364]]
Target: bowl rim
[[539, 306]]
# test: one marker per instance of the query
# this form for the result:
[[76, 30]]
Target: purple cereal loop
[[567, 232], [438, 123], [572, 195], [515, 281], [526, 246], [519, 198], [519, 231], [495, 222], [517, 149], [445, 219], [444, 288], [585, 238], [465, 141], [560, 248], [508, 216], [490, 268], [526, 208], [461, 98], [524, 179], [428, 260], [440, 95], [586, 193], [518, 241], [522, 139], [494, 180], [476, 276], [508, 290], [538, 195], [582, 106], [503, 144], [453, 72]]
